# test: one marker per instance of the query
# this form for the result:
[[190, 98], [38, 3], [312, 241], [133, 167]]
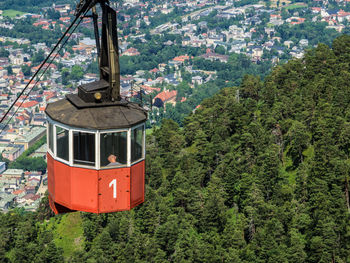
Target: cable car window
[[113, 149], [84, 148], [50, 139], [62, 137], [136, 144]]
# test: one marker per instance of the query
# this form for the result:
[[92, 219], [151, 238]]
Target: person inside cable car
[[113, 160]]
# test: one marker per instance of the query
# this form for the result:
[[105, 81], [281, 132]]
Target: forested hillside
[[258, 173]]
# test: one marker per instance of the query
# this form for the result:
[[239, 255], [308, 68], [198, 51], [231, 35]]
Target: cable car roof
[[114, 115]]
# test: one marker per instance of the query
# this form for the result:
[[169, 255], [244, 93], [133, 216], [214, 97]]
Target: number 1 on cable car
[[114, 184]]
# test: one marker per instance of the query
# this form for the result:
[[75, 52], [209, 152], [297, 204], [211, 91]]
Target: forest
[[314, 32], [258, 173]]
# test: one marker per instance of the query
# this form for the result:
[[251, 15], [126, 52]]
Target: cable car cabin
[[96, 153], [96, 157]]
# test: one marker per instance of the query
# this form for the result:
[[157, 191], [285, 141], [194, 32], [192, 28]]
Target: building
[[303, 42], [213, 56], [13, 173], [41, 152], [131, 52], [31, 137], [165, 97], [10, 185], [30, 189], [197, 80], [39, 119], [33, 174], [13, 151]]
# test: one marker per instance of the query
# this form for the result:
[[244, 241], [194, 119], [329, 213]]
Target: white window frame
[[128, 153], [55, 140], [143, 142], [98, 134], [96, 149], [48, 138]]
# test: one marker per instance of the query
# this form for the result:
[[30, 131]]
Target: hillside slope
[[259, 173], [256, 175]]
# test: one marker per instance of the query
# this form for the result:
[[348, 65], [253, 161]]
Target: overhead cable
[[41, 66]]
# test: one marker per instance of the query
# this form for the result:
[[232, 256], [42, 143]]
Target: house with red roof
[[149, 89], [65, 19], [30, 105], [342, 15], [155, 70], [159, 79], [35, 16], [33, 182], [316, 10], [66, 55], [295, 20], [49, 94], [181, 58], [41, 23], [127, 18], [32, 174], [22, 120], [18, 192], [126, 79], [51, 66], [197, 107], [165, 97], [28, 198], [131, 52], [275, 17]]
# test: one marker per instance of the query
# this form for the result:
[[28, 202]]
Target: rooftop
[[10, 172], [35, 132]]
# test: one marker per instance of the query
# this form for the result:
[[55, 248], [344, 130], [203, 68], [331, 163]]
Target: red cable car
[[96, 140]]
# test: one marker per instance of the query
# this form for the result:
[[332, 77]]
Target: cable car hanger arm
[[107, 89]]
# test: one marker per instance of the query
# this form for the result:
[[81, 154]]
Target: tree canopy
[[258, 173]]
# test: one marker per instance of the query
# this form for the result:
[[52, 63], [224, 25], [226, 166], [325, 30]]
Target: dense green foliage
[[154, 52], [314, 32], [21, 240], [259, 173], [214, 22], [233, 71], [76, 73]]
